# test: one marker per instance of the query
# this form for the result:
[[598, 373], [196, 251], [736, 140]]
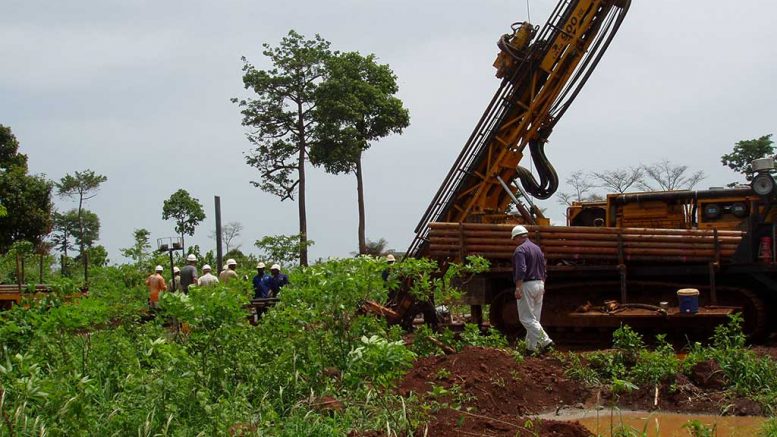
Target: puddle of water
[[671, 425]]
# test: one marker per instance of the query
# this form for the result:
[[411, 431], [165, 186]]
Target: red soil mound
[[487, 392]]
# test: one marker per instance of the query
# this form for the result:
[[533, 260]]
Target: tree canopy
[[83, 185], [67, 226], [745, 152], [619, 180], [281, 249], [26, 199], [141, 249], [667, 176], [229, 233], [186, 211]]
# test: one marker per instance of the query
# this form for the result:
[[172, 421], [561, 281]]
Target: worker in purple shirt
[[529, 277]]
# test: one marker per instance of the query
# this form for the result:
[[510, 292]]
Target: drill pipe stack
[[492, 241]]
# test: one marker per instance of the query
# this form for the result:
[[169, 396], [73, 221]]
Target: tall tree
[[229, 232], [356, 106], [667, 176], [185, 210], [281, 120], [82, 185], [141, 249], [619, 180], [745, 152], [25, 198], [68, 225]]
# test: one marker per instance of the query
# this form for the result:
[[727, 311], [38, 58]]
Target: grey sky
[[139, 91]]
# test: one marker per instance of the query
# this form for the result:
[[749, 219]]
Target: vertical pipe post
[[219, 255]]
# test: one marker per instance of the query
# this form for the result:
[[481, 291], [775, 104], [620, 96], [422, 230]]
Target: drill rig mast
[[542, 72]]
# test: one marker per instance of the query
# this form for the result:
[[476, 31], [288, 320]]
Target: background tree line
[[663, 175]]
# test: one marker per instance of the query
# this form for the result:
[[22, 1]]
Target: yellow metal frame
[[525, 120]]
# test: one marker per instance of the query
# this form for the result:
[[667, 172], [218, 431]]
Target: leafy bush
[[749, 374], [656, 366], [379, 361], [472, 336]]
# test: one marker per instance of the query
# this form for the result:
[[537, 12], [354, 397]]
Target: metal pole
[[219, 255], [172, 270]]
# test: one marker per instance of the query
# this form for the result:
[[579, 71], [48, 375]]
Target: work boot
[[550, 347]]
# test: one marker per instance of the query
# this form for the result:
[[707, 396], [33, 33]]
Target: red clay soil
[[487, 392]]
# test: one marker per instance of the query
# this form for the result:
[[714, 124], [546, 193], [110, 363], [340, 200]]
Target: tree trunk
[[303, 220], [81, 234], [360, 195], [64, 251]]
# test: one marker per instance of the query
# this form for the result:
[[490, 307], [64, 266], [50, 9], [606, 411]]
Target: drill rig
[[542, 72], [633, 248]]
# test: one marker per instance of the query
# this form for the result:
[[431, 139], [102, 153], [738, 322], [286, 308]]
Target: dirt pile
[[488, 392]]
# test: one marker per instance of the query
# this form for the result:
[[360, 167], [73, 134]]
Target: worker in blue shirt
[[276, 280], [261, 289]]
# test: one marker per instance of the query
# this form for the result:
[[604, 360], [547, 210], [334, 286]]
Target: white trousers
[[529, 312]]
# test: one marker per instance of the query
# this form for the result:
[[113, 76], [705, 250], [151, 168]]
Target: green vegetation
[[185, 211], [312, 366], [749, 374], [745, 152], [283, 249], [746, 373], [26, 198]]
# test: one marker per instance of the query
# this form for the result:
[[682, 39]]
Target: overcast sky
[[139, 91]]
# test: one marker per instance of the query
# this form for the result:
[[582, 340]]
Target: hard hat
[[159, 268], [390, 258], [191, 257], [231, 262], [205, 267], [275, 267], [519, 230], [176, 270], [260, 266]]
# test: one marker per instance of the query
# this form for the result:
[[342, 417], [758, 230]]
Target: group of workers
[[529, 274], [264, 284]]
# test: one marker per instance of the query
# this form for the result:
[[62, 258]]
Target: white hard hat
[[176, 269], [519, 230], [205, 267], [275, 267], [390, 258], [159, 268], [260, 266], [191, 257], [231, 262]]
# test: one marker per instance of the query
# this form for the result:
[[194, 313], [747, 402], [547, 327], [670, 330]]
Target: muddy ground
[[487, 392]]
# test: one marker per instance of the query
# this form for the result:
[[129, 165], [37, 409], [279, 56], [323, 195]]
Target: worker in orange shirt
[[156, 284]]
